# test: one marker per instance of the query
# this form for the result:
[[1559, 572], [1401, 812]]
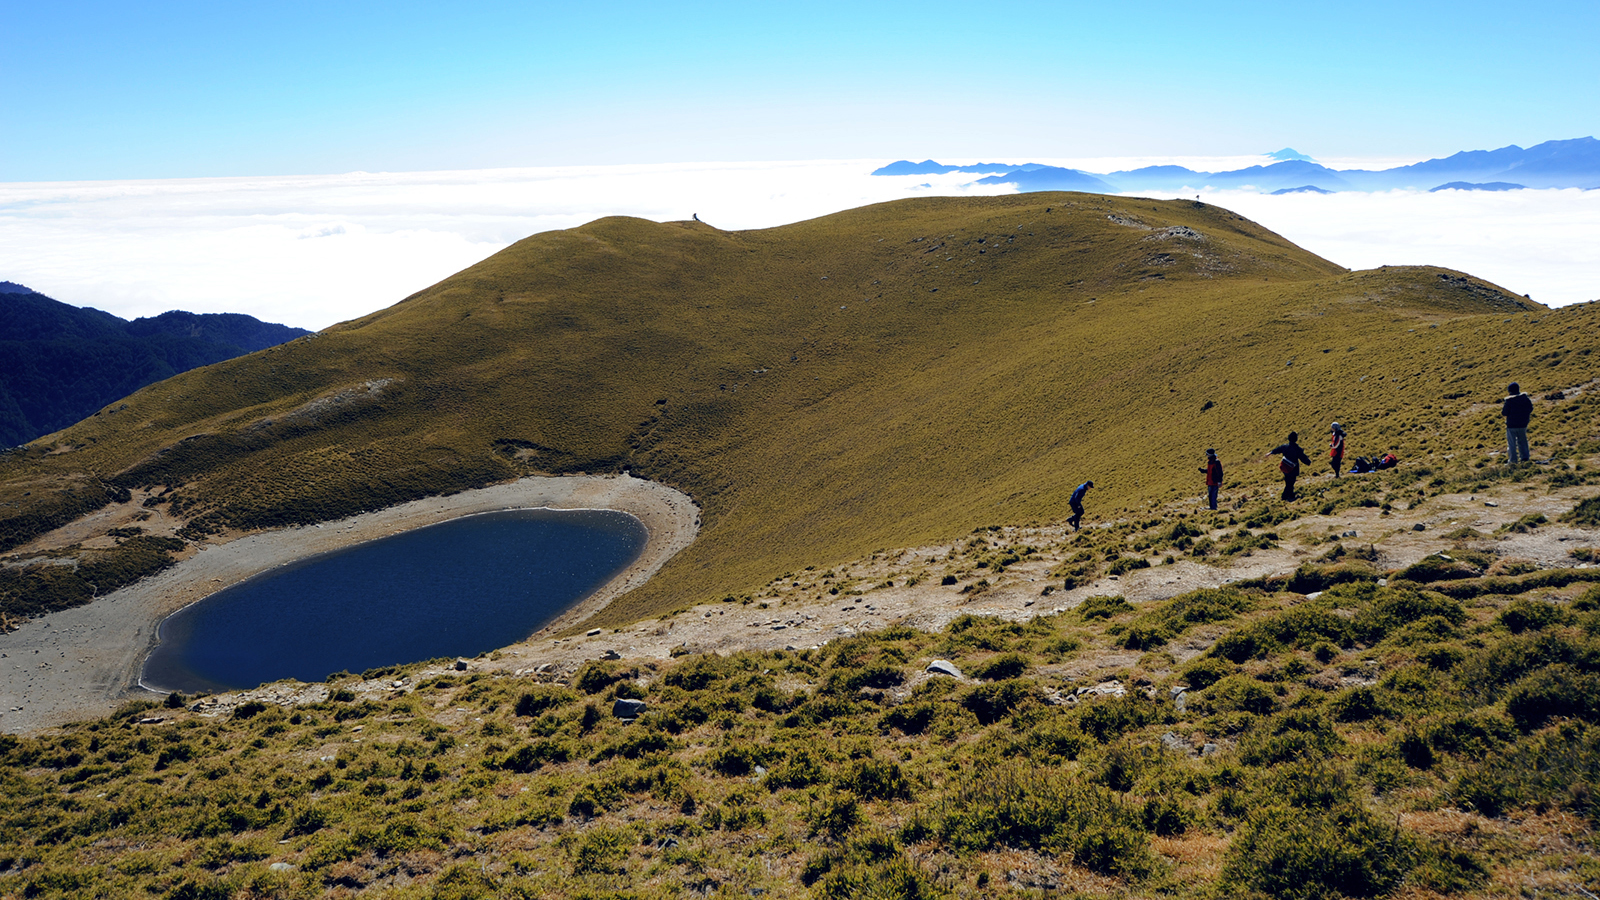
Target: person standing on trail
[[1336, 449], [1076, 502], [1213, 470], [1293, 456], [1517, 409]]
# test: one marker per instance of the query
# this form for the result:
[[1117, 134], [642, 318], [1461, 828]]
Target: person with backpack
[[1213, 472], [1336, 449], [1293, 456], [1076, 502], [1517, 409]]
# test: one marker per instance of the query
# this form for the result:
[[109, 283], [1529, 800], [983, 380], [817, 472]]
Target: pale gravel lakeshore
[[84, 662]]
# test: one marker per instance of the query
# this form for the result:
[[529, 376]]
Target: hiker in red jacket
[[1293, 456], [1336, 449], [1213, 470]]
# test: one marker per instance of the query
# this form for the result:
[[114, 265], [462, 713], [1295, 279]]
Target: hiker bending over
[[1213, 470], [1518, 409], [1076, 502], [1336, 448], [1293, 456]]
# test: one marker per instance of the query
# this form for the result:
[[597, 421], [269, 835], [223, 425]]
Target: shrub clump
[[1050, 810], [1587, 512], [1102, 608], [1301, 854]]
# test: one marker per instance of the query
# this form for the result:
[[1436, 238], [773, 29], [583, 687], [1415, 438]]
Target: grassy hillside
[[1321, 736], [875, 378]]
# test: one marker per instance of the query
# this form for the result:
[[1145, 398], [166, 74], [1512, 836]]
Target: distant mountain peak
[[11, 287], [1289, 153]]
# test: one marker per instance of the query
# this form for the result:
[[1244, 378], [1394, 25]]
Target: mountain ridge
[[1571, 163], [62, 362]]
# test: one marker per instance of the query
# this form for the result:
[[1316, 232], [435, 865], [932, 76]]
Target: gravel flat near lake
[[84, 662]]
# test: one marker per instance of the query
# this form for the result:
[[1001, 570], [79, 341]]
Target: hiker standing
[[1076, 502], [1517, 409], [1293, 456], [1213, 470], [1336, 449]]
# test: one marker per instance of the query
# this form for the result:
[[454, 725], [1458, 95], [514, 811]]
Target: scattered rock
[[626, 708], [1173, 742], [151, 720], [1210, 750], [611, 654], [944, 667], [1111, 688], [461, 664], [1419, 527], [1490, 503], [280, 867], [592, 632]]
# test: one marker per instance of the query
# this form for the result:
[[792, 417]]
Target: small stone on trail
[[1490, 503], [592, 632]]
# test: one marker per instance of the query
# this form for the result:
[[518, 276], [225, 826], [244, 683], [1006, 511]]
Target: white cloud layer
[[315, 250]]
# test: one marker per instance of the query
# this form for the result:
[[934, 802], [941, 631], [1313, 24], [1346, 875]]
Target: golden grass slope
[[878, 377]]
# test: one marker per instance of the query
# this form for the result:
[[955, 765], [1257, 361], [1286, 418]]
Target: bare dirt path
[[85, 661]]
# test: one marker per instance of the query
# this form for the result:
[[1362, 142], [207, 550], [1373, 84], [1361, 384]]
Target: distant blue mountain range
[[60, 363], [1553, 164]]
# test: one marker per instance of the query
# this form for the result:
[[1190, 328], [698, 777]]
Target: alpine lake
[[455, 589]]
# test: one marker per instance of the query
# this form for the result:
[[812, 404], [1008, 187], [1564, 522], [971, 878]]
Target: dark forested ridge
[[60, 363]]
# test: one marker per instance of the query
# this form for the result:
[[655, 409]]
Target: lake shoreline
[[85, 661]]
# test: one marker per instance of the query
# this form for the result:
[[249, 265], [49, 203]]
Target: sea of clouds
[[315, 250]]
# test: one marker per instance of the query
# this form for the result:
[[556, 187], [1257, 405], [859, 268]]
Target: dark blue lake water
[[458, 588]]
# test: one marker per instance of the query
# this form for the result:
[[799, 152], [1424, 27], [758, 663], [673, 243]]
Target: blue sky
[[177, 89]]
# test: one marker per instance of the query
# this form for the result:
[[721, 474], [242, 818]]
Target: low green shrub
[[1102, 608], [1236, 693], [1525, 524], [1438, 567], [874, 779], [1206, 671], [1046, 809], [1554, 691], [531, 704], [1532, 615], [1294, 629], [994, 701], [1126, 564], [999, 668], [1310, 854]]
